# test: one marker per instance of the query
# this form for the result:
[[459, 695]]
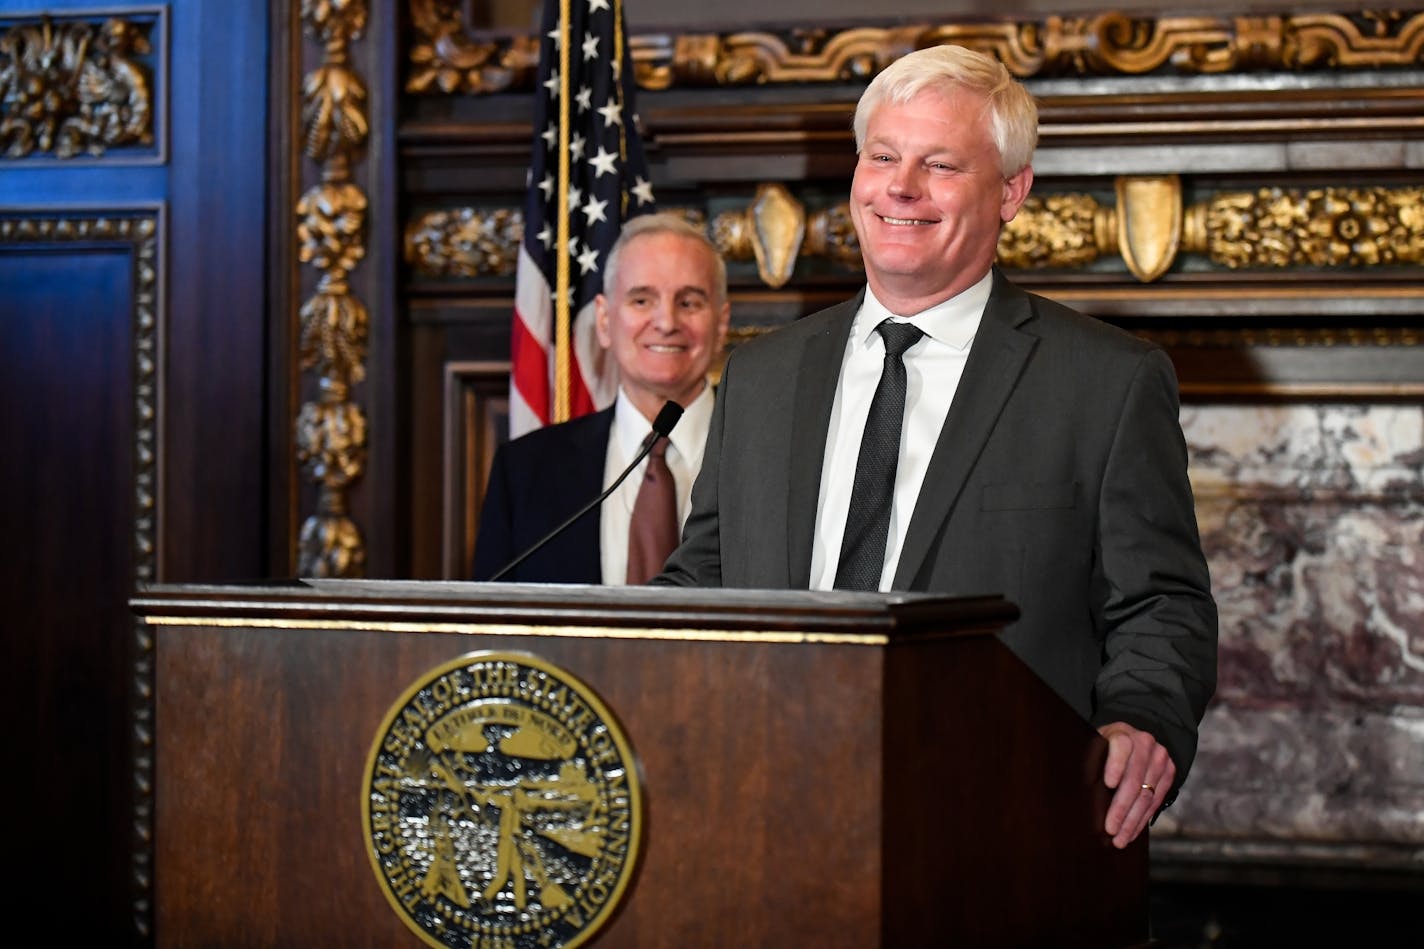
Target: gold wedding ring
[[1147, 787]]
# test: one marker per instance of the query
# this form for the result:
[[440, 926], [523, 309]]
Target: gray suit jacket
[[1059, 481]]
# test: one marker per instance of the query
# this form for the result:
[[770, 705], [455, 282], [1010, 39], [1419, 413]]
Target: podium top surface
[[676, 611]]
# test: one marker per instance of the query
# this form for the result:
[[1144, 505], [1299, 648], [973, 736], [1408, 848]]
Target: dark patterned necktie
[[652, 533], [868, 521]]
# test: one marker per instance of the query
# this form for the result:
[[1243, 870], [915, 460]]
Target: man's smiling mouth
[[903, 220]]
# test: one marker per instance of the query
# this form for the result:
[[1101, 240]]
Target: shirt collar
[[688, 436], [952, 322]]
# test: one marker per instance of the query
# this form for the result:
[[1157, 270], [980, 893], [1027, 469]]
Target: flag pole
[[561, 283]]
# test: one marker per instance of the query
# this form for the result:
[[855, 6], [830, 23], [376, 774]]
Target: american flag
[[587, 175]]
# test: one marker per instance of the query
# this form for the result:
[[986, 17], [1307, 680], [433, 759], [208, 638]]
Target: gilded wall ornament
[[330, 433], [465, 242], [831, 234], [73, 87], [1148, 228], [1149, 223], [1310, 227], [445, 58], [331, 441], [333, 339], [331, 228], [333, 114], [335, 23], [770, 230], [1057, 230]]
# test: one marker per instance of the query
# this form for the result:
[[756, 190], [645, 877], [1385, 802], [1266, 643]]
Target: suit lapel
[[995, 364], [816, 377]]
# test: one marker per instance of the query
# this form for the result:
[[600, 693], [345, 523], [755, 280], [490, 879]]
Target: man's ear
[[600, 321], [1015, 193]]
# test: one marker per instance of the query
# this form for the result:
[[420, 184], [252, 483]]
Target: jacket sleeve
[[1157, 610]]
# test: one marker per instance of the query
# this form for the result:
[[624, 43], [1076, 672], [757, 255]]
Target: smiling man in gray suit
[[1039, 452]]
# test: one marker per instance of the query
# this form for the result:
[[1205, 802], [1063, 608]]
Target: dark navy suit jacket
[[536, 482]]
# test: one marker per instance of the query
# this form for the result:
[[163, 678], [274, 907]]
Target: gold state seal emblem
[[502, 806]]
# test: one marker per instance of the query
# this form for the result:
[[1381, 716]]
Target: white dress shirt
[[933, 367], [684, 459]]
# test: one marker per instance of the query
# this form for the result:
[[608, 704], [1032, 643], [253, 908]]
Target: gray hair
[[665, 222], [1013, 116]]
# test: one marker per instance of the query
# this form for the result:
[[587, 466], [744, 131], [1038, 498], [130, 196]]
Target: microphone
[[662, 426]]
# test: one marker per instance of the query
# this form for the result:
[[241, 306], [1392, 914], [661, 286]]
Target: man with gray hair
[[946, 431], [663, 317]]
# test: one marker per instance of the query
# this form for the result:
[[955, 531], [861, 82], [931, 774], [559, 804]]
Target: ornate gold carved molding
[[465, 242], [771, 231], [1309, 227], [139, 233], [1148, 228], [1057, 230], [75, 86], [330, 433], [445, 58]]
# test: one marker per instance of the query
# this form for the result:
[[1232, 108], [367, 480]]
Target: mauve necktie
[[868, 521], [652, 533]]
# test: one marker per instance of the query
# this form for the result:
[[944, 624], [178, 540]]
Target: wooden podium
[[818, 769]]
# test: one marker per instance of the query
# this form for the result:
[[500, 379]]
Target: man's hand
[[1142, 772]]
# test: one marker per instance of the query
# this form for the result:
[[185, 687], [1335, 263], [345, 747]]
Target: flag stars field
[[604, 162], [587, 174]]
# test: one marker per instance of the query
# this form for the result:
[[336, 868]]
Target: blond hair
[[1013, 116]]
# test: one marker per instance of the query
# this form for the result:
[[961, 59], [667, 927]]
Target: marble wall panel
[[1312, 517]]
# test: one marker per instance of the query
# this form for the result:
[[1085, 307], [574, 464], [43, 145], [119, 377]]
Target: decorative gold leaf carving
[[465, 242], [335, 23], [331, 447], [331, 546], [331, 228], [333, 339], [445, 59], [331, 442], [1317, 227], [802, 55], [74, 87], [330, 433], [731, 233], [1057, 230], [332, 114], [831, 234], [1272, 227]]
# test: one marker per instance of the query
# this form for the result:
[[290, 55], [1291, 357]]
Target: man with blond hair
[[946, 431]]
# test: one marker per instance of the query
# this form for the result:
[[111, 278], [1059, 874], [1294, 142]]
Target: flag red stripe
[[530, 368]]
